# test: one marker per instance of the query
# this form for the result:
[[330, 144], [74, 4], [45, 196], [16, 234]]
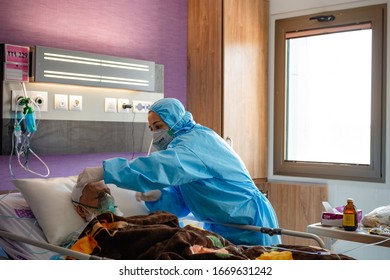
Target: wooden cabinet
[[297, 205], [227, 75]]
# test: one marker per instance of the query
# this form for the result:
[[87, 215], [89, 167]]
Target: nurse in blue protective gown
[[195, 171]]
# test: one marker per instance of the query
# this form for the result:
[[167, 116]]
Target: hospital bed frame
[[82, 256], [95, 160]]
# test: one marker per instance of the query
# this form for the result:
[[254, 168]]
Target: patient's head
[[91, 196], [86, 197]]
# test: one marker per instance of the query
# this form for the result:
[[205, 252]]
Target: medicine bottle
[[350, 220]]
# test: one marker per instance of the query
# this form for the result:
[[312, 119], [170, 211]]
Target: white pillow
[[50, 201]]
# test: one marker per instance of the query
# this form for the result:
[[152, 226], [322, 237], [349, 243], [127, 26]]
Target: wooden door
[[204, 62], [245, 81]]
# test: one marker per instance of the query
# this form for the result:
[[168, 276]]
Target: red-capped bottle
[[350, 219]]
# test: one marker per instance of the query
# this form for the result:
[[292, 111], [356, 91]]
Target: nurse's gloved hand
[[91, 174], [153, 195]]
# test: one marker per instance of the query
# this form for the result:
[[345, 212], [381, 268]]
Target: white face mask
[[161, 138]]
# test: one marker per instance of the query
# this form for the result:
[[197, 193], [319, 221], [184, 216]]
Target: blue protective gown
[[197, 173]]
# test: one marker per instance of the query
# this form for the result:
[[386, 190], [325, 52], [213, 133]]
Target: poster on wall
[[16, 63]]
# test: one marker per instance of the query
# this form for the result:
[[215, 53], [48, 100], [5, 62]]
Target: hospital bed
[[38, 217]]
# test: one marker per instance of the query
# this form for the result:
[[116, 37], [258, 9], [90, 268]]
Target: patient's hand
[[153, 195]]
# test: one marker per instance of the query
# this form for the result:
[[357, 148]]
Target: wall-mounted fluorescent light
[[82, 68]]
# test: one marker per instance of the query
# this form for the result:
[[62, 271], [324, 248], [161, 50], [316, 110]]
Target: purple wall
[[142, 29]]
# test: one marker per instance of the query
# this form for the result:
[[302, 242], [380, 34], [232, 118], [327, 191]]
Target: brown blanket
[[159, 236]]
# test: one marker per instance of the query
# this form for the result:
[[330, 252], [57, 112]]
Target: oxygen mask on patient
[[106, 203]]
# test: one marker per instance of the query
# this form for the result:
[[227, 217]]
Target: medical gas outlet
[[38, 99]]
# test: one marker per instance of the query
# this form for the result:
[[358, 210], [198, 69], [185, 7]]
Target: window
[[329, 112]]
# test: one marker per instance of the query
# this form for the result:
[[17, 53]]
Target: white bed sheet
[[18, 218]]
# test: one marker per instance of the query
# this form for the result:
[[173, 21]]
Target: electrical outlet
[[40, 99], [61, 102], [75, 103], [122, 101], [141, 106]]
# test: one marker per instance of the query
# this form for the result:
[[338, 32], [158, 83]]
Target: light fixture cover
[[89, 69]]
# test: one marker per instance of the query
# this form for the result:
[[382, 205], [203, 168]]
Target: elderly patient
[[92, 198]]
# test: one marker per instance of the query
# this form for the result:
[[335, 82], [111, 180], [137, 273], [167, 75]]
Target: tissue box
[[336, 219], [332, 219]]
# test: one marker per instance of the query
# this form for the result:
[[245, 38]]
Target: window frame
[[375, 171]]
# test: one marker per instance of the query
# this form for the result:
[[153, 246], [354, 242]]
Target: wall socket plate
[[110, 105], [75, 103], [61, 102], [122, 101], [141, 106], [40, 99]]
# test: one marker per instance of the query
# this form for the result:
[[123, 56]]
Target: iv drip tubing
[[22, 139]]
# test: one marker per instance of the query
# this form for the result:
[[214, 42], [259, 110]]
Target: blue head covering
[[173, 113]]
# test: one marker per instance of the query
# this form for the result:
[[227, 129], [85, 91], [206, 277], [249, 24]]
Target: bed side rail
[[50, 247], [277, 231]]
